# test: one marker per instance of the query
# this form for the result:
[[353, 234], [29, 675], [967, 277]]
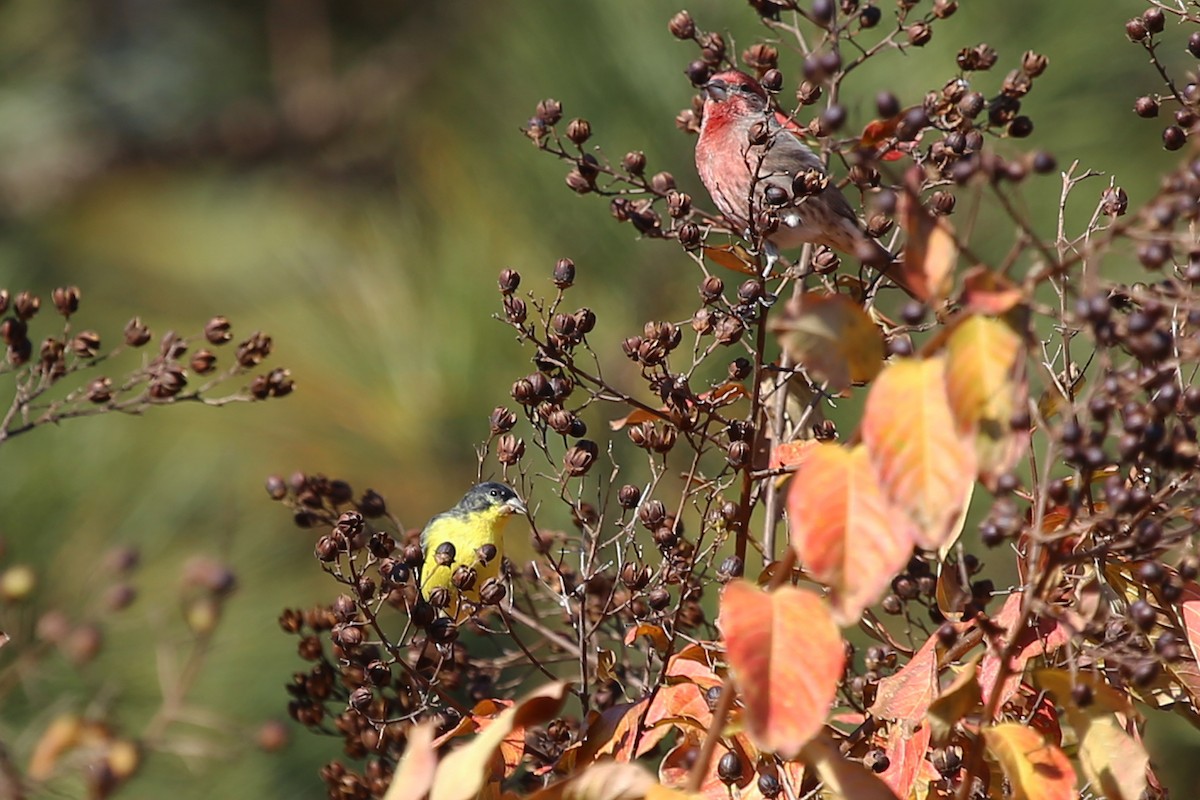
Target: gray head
[[491, 495]]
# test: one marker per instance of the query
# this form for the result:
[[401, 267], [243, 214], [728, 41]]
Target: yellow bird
[[457, 541]]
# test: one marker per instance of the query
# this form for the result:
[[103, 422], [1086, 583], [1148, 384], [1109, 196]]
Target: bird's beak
[[515, 506], [716, 90]]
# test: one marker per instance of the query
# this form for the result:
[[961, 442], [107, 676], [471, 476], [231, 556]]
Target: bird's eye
[[494, 492]]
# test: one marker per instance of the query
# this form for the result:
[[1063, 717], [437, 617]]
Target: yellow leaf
[[1036, 769], [925, 466], [832, 337], [985, 389]]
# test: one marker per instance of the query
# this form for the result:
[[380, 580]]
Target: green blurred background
[[349, 176]]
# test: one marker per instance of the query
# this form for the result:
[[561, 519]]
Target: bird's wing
[[429, 526], [785, 156]]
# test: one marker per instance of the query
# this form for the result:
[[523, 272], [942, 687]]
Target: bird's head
[[732, 94], [492, 498]]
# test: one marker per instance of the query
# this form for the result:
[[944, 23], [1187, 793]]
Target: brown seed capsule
[[578, 183], [712, 48], [136, 332], [1033, 64], [508, 281], [658, 599], [438, 599], [514, 310], [26, 305], [919, 34], [444, 555], [729, 768], [464, 578], [502, 420], [808, 93], [549, 111], [1135, 29], [203, 362], [682, 26], [738, 454], [251, 352], [662, 182], [218, 330], [443, 631], [510, 449], [634, 162], [579, 459], [66, 300], [13, 331], [579, 131], [1114, 201], [86, 344], [729, 330], [564, 273], [492, 592]]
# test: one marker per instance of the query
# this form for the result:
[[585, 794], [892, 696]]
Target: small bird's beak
[[717, 90], [515, 506]]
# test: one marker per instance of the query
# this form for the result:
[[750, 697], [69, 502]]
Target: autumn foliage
[[971, 585]]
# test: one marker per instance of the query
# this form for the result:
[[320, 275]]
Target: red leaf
[[930, 253], [786, 698], [906, 753], [1045, 636], [907, 695], [986, 291]]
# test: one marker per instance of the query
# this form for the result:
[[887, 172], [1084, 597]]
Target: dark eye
[[494, 492]]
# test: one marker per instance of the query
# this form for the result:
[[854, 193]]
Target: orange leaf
[[724, 394], [679, 701], [925, 466], [655, 633], [62, 734], [907, 695], [635, 417], [906, 753], [831, 336], [414, 774], [986, 291], [984, 390], [1045, 636], [930, 252], [786, 698], [693, 664], [1036, 770], [844, 532], [613, 732], [465, 772], [732, 256], [791, 454]]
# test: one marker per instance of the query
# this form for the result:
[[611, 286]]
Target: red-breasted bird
[[751, 159]]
